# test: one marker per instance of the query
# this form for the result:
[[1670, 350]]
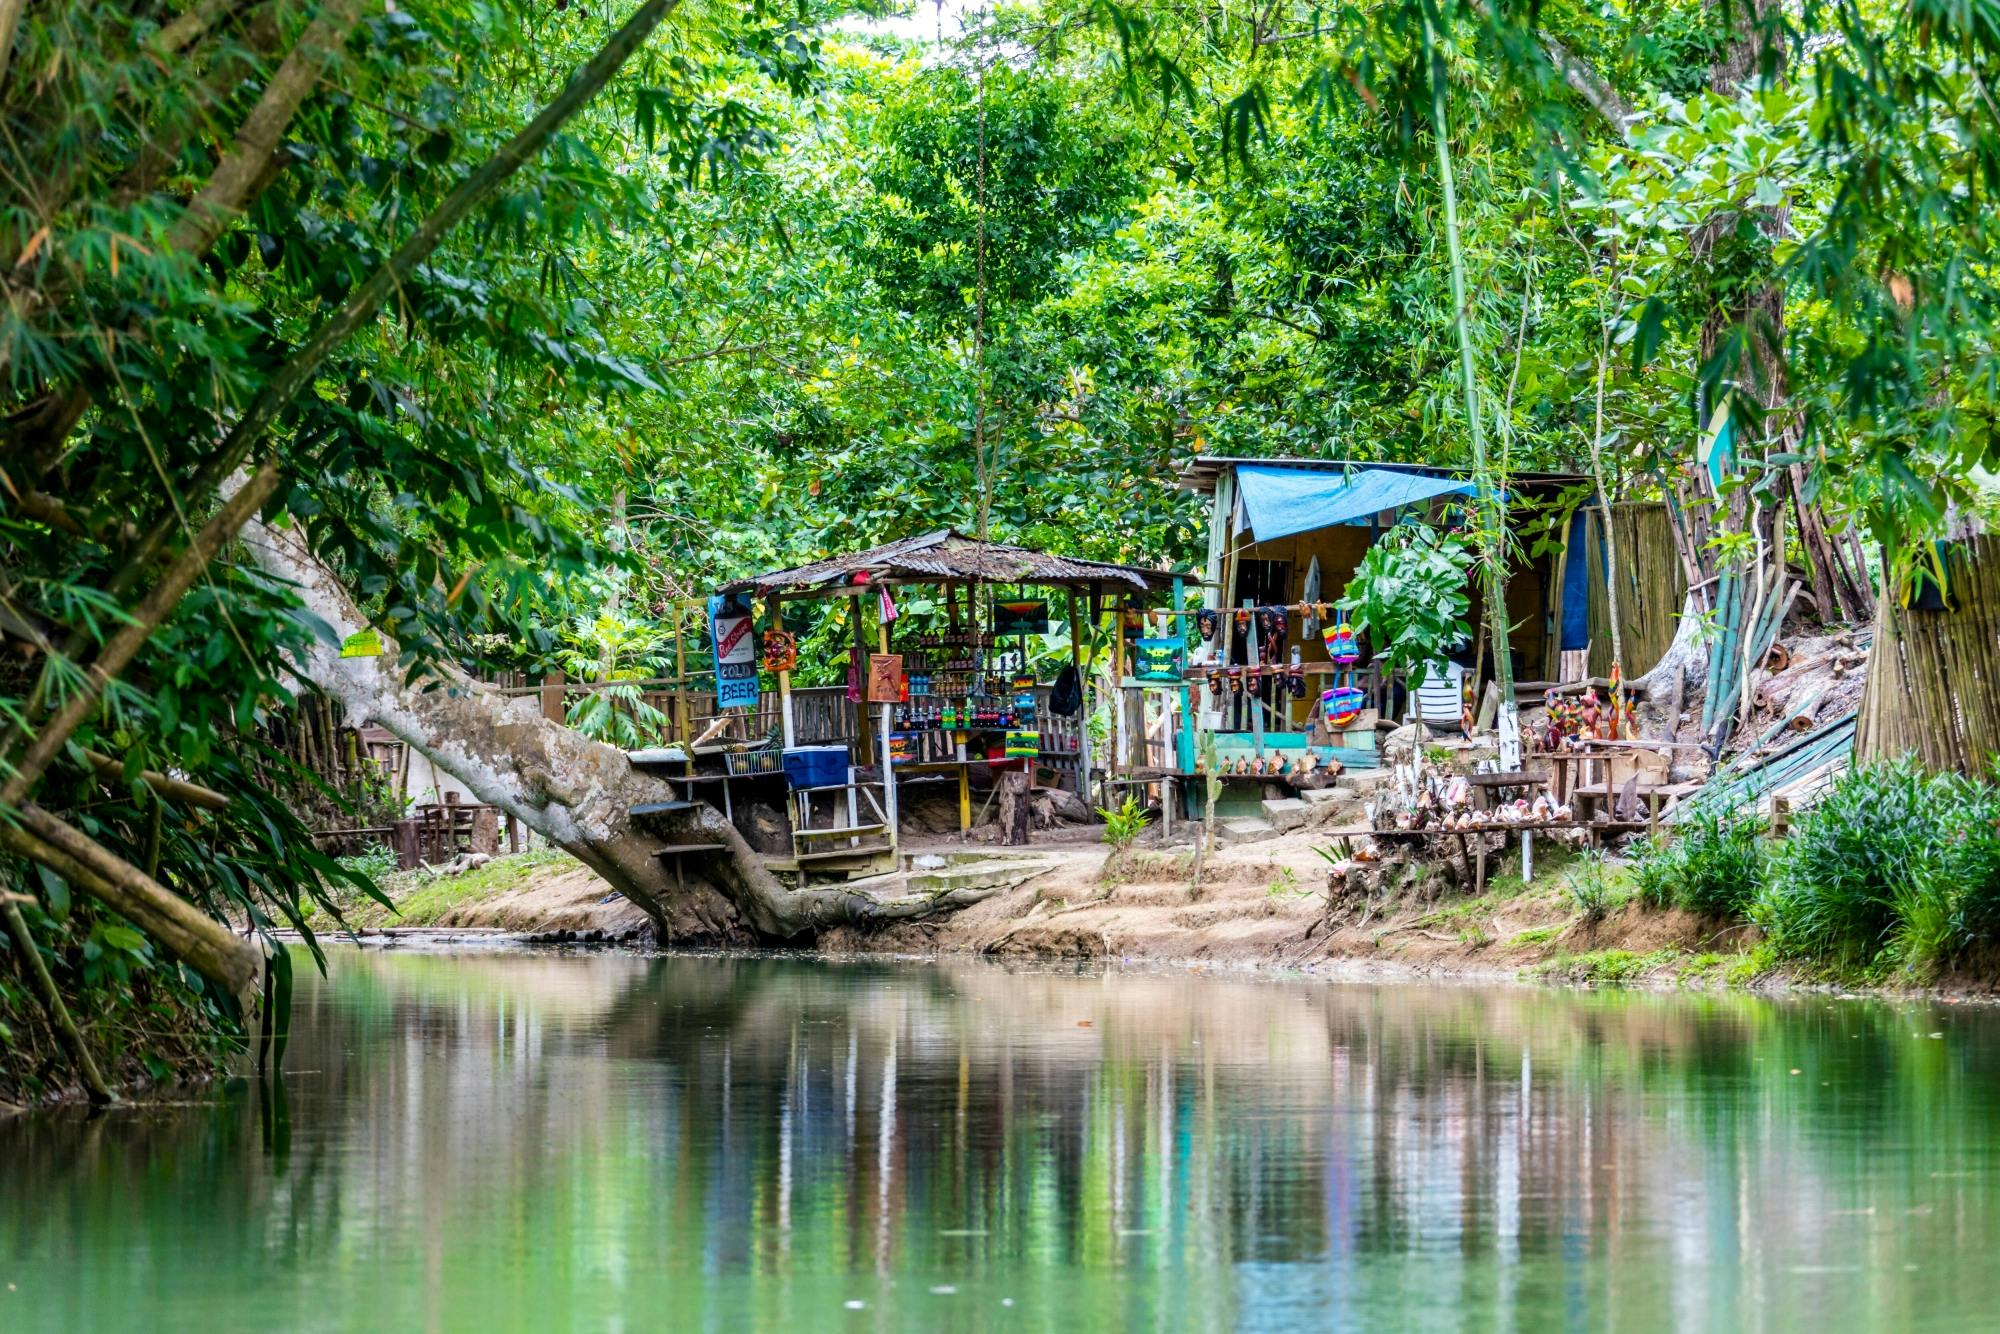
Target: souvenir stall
[[953, 697], [1285, 686], [1272, 719]]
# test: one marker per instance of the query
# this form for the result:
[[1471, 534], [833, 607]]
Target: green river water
[[520, 1140]]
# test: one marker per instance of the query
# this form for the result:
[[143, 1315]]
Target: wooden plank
[[840, 831]]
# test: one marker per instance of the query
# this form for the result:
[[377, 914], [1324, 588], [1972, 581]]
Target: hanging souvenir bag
[[1340, 646], [1343, 704]]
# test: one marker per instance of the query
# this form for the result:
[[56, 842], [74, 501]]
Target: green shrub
[[1124, 823], [1715, 867], [1891, 865], [1589, 883], [375, 861]]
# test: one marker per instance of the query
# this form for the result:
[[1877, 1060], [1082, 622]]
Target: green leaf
[[123, 938]]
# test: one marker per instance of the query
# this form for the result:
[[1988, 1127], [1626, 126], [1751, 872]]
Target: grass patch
[[1534, 935], [423, 896], [1607, 967], [1892, 868]]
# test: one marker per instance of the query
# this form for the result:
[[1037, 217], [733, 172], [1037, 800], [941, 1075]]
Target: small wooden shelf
[[872, 850], [852, 830]]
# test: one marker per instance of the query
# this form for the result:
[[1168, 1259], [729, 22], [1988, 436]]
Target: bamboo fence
[[1652, 586], [1934, 676]]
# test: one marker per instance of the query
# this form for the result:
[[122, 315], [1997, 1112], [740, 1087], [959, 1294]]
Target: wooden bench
[[1654, 798]]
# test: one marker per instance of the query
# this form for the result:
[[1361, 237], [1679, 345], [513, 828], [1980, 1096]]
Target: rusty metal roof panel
[[950, 555]]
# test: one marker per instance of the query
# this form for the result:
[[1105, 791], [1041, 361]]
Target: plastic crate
[[816, 766]]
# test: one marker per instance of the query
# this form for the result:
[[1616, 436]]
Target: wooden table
[[963, 768], [1659, 798], [1485, 785]]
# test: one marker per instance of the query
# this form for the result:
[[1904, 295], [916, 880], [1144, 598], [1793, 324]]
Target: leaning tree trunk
[[575, 792]]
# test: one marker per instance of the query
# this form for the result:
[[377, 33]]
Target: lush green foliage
[[1409, 595], [1714, 864], [168, 265], [759, 300], [1890, 866]]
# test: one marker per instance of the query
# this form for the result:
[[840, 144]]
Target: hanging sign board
[[735, 651], [1027, 617], [885, 678], [362, 644]]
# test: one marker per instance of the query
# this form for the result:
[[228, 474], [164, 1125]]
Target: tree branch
[[1588, 84], [230, 186], [175, 789], [297, 372], [191, 935]]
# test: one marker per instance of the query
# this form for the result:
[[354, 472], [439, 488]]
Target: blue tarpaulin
[[1281, 501], [1576, 587]]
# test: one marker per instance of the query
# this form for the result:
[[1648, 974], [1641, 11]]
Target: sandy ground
[[1260, 905], [555, 898]]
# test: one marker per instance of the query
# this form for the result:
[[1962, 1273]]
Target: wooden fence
[[1652, 586], [1934, 675]]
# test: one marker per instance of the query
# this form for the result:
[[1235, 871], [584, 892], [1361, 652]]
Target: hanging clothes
[[1311, 596]]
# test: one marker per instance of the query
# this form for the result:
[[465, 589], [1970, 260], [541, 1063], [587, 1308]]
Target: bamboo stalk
[[1492, 509], [37, 968]]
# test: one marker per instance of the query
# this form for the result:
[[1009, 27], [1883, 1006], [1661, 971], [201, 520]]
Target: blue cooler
[[815, 766]]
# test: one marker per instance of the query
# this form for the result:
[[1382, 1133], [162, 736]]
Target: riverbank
[[1260, 905]]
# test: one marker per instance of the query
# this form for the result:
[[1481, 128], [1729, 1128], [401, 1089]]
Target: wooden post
[[864, 740], [888, 728], [1183, 734], [486, 830], [784, 678], [404, 839], [552, 697], [1083, 687], [1015, 785], [1250, 686]]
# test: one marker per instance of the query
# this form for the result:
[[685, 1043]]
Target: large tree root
[[575, 792]]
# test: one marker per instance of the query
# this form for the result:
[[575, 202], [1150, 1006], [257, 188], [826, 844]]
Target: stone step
[[1245, 830], [1326, 796], [1286, 814]]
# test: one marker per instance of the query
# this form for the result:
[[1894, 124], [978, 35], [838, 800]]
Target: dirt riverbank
[[1258, 905]]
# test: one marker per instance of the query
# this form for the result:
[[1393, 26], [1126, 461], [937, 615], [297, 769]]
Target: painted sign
[[735, 651], [1027, 617], [362, 644], [885, 678]]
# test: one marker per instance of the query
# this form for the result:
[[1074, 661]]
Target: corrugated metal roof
[[950, 555]]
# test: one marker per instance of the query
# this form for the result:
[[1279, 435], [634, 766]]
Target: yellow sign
[[365, 644]]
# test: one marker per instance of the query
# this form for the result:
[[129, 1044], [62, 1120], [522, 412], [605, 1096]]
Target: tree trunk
[[575, 792], [1015, 805]]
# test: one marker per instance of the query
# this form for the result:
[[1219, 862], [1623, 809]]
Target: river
[[496, 1140]]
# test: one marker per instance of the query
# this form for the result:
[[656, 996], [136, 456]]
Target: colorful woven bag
[[1342, 705], [1340, 646]]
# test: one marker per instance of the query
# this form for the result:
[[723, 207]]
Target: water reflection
[[504, 1140]]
